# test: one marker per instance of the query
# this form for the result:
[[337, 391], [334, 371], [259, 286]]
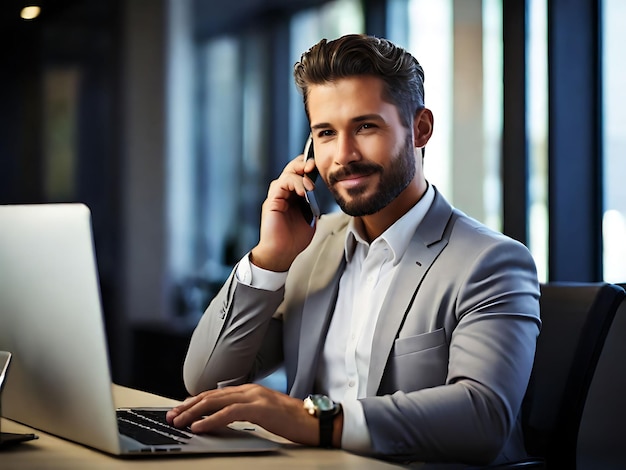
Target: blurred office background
[[170, 117]]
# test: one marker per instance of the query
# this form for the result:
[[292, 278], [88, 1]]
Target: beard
[[393, 180]]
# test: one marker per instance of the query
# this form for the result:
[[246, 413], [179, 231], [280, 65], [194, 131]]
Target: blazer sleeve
[[241, 335], [494, 315], [236, 339]]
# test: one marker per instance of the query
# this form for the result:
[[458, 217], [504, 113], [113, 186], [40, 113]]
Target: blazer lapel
[[318, 308], [422, 251]]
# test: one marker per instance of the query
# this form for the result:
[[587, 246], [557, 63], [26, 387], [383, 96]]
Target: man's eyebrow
[[362, 118], [368, 117]]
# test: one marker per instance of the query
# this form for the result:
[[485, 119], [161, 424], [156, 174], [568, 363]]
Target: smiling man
[[406, 328]]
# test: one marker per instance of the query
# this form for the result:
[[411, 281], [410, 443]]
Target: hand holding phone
[[313, 176], [283, 235]]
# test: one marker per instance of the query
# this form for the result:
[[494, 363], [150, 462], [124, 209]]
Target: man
[[418, 322]]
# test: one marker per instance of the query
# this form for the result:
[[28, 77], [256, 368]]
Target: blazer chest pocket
[[416, 362]]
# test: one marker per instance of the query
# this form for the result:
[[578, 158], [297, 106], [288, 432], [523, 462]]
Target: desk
[[50, 452]]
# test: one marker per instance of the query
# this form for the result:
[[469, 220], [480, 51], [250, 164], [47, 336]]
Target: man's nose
[[347, 150]]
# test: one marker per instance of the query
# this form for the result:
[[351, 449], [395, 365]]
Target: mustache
[[354, 169]]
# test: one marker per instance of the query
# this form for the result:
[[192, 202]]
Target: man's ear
[[422, 127]]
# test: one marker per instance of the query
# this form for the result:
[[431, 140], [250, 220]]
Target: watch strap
[[327, 422]]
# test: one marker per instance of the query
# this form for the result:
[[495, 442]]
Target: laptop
[[9, 439], [51, 322]]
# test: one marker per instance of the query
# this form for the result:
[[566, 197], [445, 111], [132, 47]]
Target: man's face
[[363, 153]]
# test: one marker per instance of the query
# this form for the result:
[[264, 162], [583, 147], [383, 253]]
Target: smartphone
[[5, 360], [310, 196], [9, 438]]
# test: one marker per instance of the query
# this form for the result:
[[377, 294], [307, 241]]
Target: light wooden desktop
[[49, 452]]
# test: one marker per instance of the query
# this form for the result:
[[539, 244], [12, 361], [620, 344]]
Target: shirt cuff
[[355, 436], [259, 278]]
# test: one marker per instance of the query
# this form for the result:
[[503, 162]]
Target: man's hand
[[285, 232], [274, 411]]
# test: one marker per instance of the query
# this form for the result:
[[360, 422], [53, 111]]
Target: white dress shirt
[[344, 366]]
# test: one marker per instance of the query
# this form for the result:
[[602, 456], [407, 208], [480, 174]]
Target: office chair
[[601, 439], [576, 319]]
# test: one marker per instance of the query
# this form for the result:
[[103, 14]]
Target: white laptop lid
[[51, 321]]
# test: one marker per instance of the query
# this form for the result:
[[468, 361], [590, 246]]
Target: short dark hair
[[360, 54]]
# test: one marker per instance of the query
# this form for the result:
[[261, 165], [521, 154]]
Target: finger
[[282, 190], [188, 417], [222, 418], [205, 404], [291, 179], [309, 165], [308, 184], [189, 402], [296, 166], [173, 415]]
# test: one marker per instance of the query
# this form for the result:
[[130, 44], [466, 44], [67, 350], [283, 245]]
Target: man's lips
[[350, 181], [352, 177]]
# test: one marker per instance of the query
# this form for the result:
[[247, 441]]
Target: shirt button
[[351, 384]]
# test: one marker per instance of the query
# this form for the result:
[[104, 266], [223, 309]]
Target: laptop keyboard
[[150, 427]]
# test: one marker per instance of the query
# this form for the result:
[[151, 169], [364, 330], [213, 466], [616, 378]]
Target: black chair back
[[601, 439], [576, 319]]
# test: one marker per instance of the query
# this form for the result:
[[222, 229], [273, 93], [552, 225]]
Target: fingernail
[[308, 184]]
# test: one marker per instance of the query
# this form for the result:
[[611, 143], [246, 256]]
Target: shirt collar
[[398, 236]]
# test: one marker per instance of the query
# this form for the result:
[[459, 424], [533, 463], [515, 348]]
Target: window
[[537, 128], [220, 178], [459, 46], [614, 141]]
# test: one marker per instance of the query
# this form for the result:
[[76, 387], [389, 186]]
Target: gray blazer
[[453, 347]]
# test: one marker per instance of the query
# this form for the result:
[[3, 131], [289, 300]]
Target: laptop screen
[[51, 321]]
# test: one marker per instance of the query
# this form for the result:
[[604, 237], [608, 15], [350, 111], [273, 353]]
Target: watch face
[[322, 402]]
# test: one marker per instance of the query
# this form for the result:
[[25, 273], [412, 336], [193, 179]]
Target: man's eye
[[325, 133]]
